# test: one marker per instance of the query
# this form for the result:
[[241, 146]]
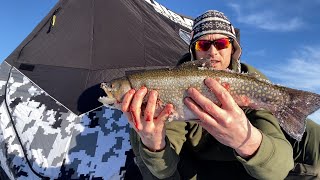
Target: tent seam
[[92, 42]]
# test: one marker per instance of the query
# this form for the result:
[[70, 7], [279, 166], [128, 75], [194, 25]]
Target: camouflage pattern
[[40, 138]]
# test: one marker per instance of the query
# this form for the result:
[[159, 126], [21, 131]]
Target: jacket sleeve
[[163, 164], [274, 158]]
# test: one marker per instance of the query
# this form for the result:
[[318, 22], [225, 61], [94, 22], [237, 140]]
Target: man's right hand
[[149, 125]]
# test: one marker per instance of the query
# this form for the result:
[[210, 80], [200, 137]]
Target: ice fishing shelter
[[52, 125]]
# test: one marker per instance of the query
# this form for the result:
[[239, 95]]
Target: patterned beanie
[[215, 22]]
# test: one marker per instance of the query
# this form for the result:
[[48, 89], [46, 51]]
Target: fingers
[[135, 107], [151, 106], [125, 106], [165, 113], [127, 100], [133, 102], [221, 93], [130, 120], [198, 111], [206, 105]]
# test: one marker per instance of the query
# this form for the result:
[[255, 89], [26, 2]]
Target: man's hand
[[149, 125], [228, 123]]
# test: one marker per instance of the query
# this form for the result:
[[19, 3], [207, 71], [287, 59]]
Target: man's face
[[220, 59]]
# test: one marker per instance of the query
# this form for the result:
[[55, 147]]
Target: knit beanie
[[215, 22]]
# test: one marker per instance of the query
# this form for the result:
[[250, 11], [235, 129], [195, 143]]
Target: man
[[228, 142]]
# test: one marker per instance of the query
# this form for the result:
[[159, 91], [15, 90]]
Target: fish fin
[[293, 116], [106, 100], [258, 76], [173, 116], [203, 63]]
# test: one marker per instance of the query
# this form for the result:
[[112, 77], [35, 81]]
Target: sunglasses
[[204, 45]]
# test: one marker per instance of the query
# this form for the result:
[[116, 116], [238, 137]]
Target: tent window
[[26, 67]]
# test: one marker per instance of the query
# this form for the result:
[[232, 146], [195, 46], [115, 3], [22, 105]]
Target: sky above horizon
[[277, 37]]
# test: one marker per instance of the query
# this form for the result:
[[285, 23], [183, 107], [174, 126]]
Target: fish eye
[[114, 86]]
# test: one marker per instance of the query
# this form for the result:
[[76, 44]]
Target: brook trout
[[289, 106]]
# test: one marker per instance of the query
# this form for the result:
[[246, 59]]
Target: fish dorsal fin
[[195, 64], [202, 64], [205, 64], [257, 76]]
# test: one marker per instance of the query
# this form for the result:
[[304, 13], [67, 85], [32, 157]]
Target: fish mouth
[[109, 99], [107, 89]]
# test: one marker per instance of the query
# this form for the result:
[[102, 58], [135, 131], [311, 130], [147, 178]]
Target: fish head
[[115, 91]]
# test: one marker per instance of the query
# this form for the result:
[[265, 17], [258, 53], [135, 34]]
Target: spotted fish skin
[[289, 106]]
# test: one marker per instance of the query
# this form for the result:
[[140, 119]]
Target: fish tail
[[293, 115]]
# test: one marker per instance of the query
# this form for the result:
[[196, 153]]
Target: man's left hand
[[228, 123]]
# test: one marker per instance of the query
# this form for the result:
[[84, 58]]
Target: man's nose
[[213, 50]]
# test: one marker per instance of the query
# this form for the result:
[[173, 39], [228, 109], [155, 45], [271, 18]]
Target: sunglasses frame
[[212, 43]]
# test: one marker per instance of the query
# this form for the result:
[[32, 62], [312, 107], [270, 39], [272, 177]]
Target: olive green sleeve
[[274, 158], [163, 164]]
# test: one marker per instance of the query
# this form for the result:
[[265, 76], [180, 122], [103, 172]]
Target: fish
[[290, 106]]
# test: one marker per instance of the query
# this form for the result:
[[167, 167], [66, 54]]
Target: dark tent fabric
[[93, 41]]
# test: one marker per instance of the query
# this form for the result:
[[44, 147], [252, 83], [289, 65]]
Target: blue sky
[[280, 38]]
